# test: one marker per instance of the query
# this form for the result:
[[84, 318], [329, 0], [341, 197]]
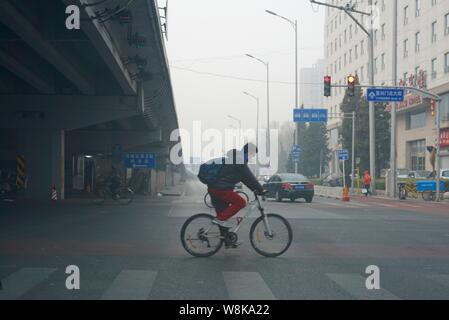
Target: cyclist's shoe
[[220, 223]]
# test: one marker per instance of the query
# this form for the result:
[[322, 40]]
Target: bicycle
[[202, 238], [208, 199], [124, 195], [407, 189]]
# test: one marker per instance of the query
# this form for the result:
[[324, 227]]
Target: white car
[[445, 174]]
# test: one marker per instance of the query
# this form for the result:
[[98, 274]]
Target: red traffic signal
[[327, 86]]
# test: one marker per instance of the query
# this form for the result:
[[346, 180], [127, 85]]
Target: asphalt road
[[134, 252]]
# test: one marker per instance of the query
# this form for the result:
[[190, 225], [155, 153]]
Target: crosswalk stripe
[[18, 283], [355, 286], [131, 285], [247, 286], [440, 278]]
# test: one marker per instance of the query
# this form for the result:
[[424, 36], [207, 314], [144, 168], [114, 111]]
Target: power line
[[239, 78]]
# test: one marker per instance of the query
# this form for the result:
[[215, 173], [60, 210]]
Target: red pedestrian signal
[[351, 85], [327, 86]]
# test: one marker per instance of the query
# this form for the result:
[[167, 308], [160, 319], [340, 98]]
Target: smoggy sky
[[213, 36]]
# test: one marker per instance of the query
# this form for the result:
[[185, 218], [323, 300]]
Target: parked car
[[402, 173], [445, 174], [290, 186]]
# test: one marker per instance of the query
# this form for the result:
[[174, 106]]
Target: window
[[356, 51], [417, 41], [416, 119], [350, 31], [417, 8], [346, 36], [362, 47], [446, 24], [383, 32], [446, 63], [350, 55], [434, 31], [434, 68], [405, 15], [417, 154], [383, 5], [405, 78], [383, 61], [434, 2], [376, 37], [345, 59], [405, 48]]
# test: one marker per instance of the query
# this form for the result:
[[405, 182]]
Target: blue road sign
[[296, 147], [310, 115], [385, 95], [343, 154], [140, 160]]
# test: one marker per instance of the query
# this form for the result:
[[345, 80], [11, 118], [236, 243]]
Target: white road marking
[[131, 285], [354, 284], [18, 283], [247, 286]]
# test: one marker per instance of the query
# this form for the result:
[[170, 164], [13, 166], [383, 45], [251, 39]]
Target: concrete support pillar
[[44, 157]]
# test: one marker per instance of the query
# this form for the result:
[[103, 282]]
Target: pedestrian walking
[[367, 183]]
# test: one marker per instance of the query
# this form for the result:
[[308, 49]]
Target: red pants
[[226, 202]]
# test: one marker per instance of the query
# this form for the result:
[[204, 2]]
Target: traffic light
[[351, 85], [432, 107], [327, 86]]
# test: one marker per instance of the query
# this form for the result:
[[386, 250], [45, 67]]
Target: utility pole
[[393, 156], [295, 27], [349, 10]]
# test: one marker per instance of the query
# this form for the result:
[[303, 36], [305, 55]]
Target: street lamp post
[[257, 126], [240, 127], [295, 27], [267, 66]]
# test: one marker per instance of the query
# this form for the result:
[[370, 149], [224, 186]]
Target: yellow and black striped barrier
[[20, 179]]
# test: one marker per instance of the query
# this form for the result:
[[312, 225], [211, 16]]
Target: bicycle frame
[[252, 205]]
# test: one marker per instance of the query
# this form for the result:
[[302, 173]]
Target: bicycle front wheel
[[125, 196], [200, 237], [275, 244]]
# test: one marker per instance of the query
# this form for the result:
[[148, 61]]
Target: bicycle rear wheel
[[276, 244], [200, 237], [98, 197]]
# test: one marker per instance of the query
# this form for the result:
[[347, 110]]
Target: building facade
[[423, 61]]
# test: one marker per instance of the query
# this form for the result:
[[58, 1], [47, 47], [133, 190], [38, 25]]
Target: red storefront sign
[[444, 137]]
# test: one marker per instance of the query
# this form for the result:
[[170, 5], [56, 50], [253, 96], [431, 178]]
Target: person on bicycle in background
[[225, 200], [114, 182]]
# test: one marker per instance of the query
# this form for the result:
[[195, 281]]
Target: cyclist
[[225, 200], [114, 182]]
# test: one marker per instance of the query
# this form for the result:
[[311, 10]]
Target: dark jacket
[[236, 170]]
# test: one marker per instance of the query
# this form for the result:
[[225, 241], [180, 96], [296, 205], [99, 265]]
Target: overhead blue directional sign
[[310, 115], [385, 95], [140, 160], [343, 154]]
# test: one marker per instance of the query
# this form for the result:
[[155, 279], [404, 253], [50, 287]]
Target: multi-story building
[[423, 61], [312, 95]]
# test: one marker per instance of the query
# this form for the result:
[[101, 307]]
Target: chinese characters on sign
[[310, 115], [140, 160], [385, 95]]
